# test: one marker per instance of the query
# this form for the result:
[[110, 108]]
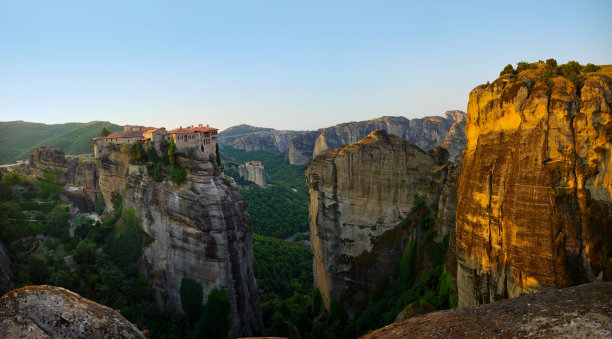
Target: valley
[[336, 232]]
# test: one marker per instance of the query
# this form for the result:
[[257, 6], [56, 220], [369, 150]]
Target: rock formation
[[534, 205], [253, 171], [200, 231], [300, 147], [6, 274], [358, 196], [274, 142], [54, 312], [576, 312], [49, 163]]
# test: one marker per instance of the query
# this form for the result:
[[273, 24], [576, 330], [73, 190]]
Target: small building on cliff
[[253, 171], [203, 137]]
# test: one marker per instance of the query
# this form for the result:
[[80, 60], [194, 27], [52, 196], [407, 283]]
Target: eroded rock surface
[[200, 230], [534, 205], [583, 311], [54, 312], [300, 147], [46, 161], [358, 196]]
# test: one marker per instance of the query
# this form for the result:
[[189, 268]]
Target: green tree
[[191, 299], [215, 319], [100, 205], [590, 68], [509, 69], [552, 63], [105, 132], [521, 66], [218, 155]]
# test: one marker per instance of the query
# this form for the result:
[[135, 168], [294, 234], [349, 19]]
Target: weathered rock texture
[[583, 311], [54, 312], [270, 141], [300, 147], [254, 172], [6, 274], [49, 160], [358, 196], [534, 205], [200, 231]]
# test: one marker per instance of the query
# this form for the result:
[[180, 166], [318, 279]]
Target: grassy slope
[[18, 139]]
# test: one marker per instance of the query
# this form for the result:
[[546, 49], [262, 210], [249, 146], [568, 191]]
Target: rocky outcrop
[[358, 196], [49, 163], [534, 207], [253, 171], [426, 132], [576, 312], [200, 230], [300, 147], [274, 142], [54, 312]]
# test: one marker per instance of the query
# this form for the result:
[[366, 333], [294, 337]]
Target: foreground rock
[[54, 312], [535, 192], [358, 196], [583, 311]]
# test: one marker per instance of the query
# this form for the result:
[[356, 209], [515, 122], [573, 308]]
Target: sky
[[284, 64]]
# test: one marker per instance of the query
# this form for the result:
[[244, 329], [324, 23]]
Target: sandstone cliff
[[200, 230], [576, 312], [426, 133], [254, 172], [300, 147], [358, 196], [49, 163], [534, 205], [54, 312], [270, 141]]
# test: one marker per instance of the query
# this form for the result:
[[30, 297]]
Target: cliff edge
[[534, 199], [54, 312], [583, 311]]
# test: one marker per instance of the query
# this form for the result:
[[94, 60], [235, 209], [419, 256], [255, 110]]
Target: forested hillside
[[279, 210], [20, 138]]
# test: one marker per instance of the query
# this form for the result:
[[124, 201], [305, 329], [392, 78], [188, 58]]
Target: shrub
[[521, 66], [552, 63], [177, 175], [100, 205], [590, 68], [509, 69]]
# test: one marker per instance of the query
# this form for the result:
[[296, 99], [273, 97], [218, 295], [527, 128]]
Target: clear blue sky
[[282, 64]]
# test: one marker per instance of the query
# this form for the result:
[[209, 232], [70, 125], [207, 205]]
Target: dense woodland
[[280, 210], [19, 139]]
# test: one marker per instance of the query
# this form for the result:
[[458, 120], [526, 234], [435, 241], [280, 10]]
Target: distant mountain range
[[18, 139], [298, 147]]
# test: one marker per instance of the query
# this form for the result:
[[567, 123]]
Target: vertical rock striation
[[358, 196], [200, 231], [300, 147], [534, 198]]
